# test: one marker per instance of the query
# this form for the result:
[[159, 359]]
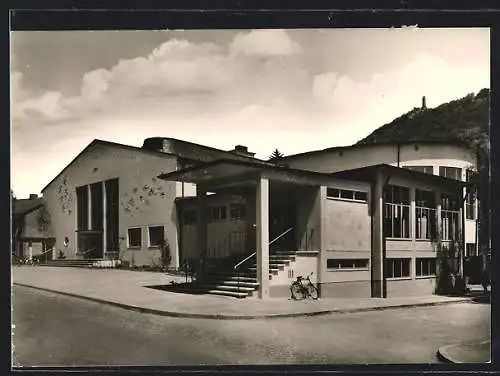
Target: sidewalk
[[477, 352], [127, 289]]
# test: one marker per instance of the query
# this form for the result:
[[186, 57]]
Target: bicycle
[[300, 291]]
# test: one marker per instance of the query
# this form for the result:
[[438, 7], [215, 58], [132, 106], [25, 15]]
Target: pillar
[[201, 228], [377, 255], [104, 224], [262, 236], [413, 231], [322, 237]]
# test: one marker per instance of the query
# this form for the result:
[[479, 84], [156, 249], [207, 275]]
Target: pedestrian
[[485, 280]]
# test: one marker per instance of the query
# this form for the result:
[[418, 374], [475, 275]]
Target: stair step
[[223, 287], [229, 293], [242, 283]]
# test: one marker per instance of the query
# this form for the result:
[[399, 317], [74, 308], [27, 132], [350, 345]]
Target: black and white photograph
[[208, 197]]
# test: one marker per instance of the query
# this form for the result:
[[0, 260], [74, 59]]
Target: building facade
[[361, 224]]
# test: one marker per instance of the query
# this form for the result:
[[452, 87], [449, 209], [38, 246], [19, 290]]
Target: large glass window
[[82, 203], [450, 172], [216, 213], [450, 216], [397, 212], [424, 169], [425, 266], [425, 213], [470, 202], [397, 267]]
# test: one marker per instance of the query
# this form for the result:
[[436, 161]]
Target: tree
[[276, 156]]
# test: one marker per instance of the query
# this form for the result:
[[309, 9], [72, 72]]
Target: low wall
[[411, 287], [350, 289]]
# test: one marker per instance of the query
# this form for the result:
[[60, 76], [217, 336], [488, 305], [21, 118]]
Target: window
[[424, 169], [425, 267], [237, 211], [96, 205], [425, 213], [470, 207], [345, 194], [156, 236], [216, 213], [397, 212], [450, 172], [470, 249], [189, 217], [343, 264], [397, 267], [134, 237], [82, 205], [450, 217]]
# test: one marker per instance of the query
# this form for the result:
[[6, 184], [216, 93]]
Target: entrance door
[[282, 217]]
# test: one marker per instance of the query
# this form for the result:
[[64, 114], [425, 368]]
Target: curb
[[444, 355], [239, 317]]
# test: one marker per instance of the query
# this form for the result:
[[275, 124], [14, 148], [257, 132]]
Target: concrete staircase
[[241, 283]]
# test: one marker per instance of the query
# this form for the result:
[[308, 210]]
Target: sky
[[295, 90]]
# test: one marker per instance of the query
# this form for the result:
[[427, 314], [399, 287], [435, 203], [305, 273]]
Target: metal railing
[[235, 268]]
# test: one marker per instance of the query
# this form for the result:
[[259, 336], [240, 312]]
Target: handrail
[[271, 242]]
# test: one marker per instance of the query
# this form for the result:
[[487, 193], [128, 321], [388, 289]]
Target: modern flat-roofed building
[[364, 220]]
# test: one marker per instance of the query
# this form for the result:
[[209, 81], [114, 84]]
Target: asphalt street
[[56, 330]]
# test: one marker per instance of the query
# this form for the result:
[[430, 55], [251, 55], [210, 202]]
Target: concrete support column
[[262, 236], [104, 224], [201, 227], [461, 239], [377, 259], [413, 231], [322, 236]]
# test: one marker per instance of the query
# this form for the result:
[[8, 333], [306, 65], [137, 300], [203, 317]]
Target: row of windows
[[155, 235], [400, 267], [445, 171], [397, 214], [342, 264], [345, 194], [394, 267], [216, 213]]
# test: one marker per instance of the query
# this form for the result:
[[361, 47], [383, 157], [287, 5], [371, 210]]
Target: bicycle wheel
[[312, 291], [297, 291]]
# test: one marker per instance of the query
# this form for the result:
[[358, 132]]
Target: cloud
[[265, 43]]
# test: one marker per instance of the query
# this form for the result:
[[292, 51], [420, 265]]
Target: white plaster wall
[[136, 170], [304, 264]]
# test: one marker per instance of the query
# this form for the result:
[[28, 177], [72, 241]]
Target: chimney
[[242, 150], [424, 106], [33, 196]]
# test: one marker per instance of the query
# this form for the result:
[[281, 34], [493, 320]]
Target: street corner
[[472, 352]]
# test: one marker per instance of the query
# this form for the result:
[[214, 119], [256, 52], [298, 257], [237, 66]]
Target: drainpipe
[[399, 153]]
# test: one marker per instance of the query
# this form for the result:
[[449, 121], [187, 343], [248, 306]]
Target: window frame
[[334, 193], [397, 202], [129, 246], [430, 267], [347, 268], [393, 260], [155, 246], [425, 205], [444, 172], [421, 168]]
